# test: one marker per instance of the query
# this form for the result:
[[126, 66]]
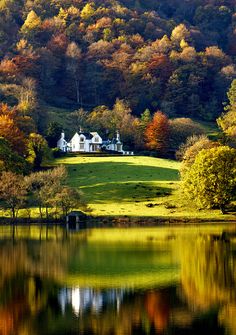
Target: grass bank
[[133, 186]]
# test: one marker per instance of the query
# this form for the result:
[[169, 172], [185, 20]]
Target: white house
[[85, 142], [62, 144], [90, 142]]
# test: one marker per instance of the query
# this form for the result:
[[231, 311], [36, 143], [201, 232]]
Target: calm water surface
[[159, 282]]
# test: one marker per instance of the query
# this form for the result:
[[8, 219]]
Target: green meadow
[[132, 186]]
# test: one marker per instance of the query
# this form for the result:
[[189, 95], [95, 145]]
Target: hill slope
[[133, 186]]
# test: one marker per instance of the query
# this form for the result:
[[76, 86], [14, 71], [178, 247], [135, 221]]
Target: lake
[[117, 281]]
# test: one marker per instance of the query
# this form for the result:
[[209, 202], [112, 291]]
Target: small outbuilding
[[76, 220]]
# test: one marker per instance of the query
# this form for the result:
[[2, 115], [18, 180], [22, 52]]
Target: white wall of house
[[96, 142], [79, 143], [74, 143]]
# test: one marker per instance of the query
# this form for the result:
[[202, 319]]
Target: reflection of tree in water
[[227, 317], [32, 301], [158, 308], [28, 270], [209, 279], [207, 273], [46, 258]]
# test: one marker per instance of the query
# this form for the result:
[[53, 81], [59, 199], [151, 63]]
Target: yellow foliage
[[32, 22]]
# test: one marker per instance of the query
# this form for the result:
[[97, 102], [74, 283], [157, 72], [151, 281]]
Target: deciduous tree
[[211, 180], [9, 129], [73, 58], [12, 192], [37, 150], [227, 121], [66, 199], [157, 132], [10, 160]]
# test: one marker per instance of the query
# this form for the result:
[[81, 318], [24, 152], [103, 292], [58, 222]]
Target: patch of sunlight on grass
[[131, 186]]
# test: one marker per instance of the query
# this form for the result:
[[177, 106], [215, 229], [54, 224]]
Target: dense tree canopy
[[176, 56], [105, 64]]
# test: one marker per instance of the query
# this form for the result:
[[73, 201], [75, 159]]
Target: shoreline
[[120, 222]]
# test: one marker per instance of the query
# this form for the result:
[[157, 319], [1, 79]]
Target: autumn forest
[[174, 56], [160, 72]]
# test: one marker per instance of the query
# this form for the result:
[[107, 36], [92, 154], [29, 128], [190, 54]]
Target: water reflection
[[83, 299], [66, 284], [208, 278]]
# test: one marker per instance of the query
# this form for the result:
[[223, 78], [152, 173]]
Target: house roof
[[88, 136], [106, 142], [94, 133], [75, 213]]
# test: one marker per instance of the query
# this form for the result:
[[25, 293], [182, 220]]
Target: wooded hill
[[177, 56]]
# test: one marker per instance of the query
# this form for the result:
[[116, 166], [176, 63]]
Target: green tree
[[10, 160], [145, 118], [53, 133], [227, 122], [37, 150], [211, 180]]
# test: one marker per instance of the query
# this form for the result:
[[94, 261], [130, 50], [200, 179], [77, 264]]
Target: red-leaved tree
[[157, 132]]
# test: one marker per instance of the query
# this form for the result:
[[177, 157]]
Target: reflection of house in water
[[82, 299]]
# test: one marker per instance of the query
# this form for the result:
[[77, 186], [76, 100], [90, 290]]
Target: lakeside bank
[[125, 221]]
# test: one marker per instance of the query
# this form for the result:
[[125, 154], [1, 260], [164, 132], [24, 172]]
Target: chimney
[[117, 136]]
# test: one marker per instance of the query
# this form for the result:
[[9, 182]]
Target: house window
[[81, 146], [96, 139], [81, 139], [95, 147]]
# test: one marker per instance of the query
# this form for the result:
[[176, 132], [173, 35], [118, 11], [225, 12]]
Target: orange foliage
[[8, 67], [58, 43], [157, 132], [24, 63], [158, 309], [9, 129], [10, 317], [160, 62]]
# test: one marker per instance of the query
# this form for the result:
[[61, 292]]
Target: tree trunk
[[13, 213], [47, 216], [77, 86], [40, 212], [222, 208]]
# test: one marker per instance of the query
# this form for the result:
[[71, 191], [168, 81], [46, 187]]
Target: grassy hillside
[[133, 186]]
